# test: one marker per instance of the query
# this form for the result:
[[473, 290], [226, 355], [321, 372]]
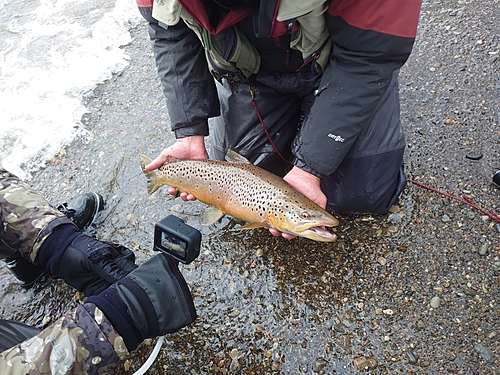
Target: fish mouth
[[313, 231], [318, 233]]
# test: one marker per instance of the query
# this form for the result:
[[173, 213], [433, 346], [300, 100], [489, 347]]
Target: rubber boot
[[25, 272], [83, 209]]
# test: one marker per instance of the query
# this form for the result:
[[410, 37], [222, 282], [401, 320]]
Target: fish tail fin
[[151, 176]]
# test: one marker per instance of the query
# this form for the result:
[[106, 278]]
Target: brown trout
[[244, 191]]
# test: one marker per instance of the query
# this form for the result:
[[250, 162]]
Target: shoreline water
[[51, 55]]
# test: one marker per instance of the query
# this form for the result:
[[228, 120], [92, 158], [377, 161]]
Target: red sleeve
[[144, 3], [394, 17]]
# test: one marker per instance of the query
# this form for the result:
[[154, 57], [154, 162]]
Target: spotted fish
[[244, 191]]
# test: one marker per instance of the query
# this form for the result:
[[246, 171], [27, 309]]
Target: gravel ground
[[415, 291]]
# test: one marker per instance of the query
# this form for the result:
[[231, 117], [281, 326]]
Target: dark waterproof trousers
[[371, 176]]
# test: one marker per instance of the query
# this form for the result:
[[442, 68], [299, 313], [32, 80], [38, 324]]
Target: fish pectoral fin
[[234, 157], [210, 215], [252, 226]]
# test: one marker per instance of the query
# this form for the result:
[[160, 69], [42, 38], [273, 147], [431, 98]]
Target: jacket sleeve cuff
[[300, 164], [200, 128]]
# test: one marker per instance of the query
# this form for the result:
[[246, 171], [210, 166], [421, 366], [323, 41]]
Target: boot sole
[[29, 284], [99, 206]]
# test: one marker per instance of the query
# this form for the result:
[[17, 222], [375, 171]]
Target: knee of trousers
[[26, 216], [366, 186]]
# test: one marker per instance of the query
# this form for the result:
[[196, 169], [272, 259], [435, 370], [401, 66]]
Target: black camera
[[496, 179], [177, 239]]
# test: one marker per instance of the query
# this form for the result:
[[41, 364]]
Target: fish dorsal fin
[[145, 161], [234, 157], [210, 215], [253, 226]]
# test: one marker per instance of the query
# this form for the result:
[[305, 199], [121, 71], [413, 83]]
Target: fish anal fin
[[253, 226], [210, 215], [234, 157]]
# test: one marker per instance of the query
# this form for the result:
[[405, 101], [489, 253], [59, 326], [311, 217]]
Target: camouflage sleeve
[[26, 218], [81, 342]]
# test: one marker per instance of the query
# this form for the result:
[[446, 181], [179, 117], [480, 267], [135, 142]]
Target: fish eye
[[305, 215]]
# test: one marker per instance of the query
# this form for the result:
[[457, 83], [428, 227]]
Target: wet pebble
[[364, 363], [176, 208], [468, 291], [485, 352], [483, 249], [412, 359], [340, 328], [445, 219], [435, 301], [260, 329], [345, 342], [393, 228], [233, 365], [127, 364], [234, 353], [394, 208], [319, 364]]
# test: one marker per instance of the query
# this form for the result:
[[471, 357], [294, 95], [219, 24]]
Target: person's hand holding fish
[[309, 185], [185, 148]]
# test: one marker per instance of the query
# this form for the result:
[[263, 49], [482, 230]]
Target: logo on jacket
[[336, 138]]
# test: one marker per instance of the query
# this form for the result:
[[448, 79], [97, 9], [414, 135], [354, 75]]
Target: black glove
[[83, 262], [150, 301]]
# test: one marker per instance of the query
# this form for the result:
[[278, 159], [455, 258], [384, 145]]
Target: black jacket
[[371, 40]]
